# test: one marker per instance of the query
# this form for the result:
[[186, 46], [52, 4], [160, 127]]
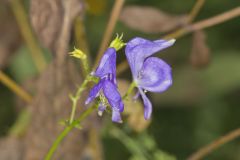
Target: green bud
[[117, 43], [77, 53]]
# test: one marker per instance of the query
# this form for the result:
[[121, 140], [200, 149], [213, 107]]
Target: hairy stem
[[77, 96], [109, 29], [129, 91], [74, 107], [13, 86], [202, 152], [67, 129], [76, 122]]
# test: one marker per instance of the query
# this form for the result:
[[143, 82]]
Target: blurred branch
[[13, 86], [24, 26], [109, 30], [20, 126], [129, 143], [195, 10], [215, 20], [202, 152], [193, 27], [81, 39]]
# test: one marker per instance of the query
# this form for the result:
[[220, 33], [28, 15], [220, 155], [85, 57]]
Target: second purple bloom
[[149, 73]]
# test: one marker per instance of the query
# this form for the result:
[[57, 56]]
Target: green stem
[[86, 66], [67, 129], [129, 91], [74, 107], [77, 96], [57, 142], [85, 114]]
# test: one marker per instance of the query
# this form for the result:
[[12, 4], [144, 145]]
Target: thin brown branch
[[216, 19], [202, 152], [13, 86], [109, 30], [196, 26], [195, 10]]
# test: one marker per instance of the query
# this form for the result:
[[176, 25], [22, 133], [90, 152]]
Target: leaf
[[200, 54], [150, 20], [134, 109], [22, 66]]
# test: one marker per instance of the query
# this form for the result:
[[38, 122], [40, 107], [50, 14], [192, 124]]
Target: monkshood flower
[[106, 88], [149, 73]]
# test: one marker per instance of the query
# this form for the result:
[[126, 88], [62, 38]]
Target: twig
[[24, 26], [195, 10], [13, 86], [109, 29], [216, 19], [202, 152], [196, 26]]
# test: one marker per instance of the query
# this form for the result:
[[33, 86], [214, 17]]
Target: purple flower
[[149, 73], [106, 88]]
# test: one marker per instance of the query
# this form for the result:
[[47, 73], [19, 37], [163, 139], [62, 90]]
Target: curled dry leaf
[[150, 20], [200, 54], [134, 109], [50, 18]]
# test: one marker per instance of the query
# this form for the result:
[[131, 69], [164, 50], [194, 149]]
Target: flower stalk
[[76, 122], [76, 97], [14, 87], [67, 129], [129, 91], [77, 53]]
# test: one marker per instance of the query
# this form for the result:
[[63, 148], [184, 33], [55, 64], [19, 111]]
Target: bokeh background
[[202, 105]]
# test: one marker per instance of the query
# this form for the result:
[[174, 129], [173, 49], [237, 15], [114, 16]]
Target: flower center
[[140, 74], [108, 76]]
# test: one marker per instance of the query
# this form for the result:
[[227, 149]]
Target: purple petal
[[94, 92], [155, 75], [116, 116], [147, 105], [107, 64], [101, 109], [136, 96], [138, 49], [114, 98]]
